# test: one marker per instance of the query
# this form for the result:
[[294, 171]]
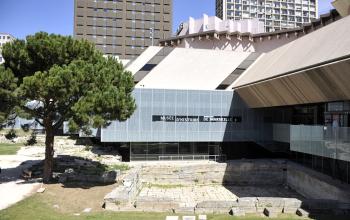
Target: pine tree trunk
[[49, 152]]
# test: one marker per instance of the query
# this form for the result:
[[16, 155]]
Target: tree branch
[[37, 120]]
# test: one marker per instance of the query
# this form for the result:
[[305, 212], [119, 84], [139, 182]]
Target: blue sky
[[23, 17]]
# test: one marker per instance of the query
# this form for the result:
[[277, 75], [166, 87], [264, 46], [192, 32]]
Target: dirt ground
[[75, 198]]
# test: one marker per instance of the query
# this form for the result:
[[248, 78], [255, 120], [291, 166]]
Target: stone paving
[[190, 196]]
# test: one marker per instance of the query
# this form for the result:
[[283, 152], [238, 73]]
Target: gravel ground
[[13, 189]]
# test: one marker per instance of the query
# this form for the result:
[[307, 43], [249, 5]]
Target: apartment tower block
[[123, 28], [276, 14]]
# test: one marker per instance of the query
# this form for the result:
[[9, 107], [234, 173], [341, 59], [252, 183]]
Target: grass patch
[[9, 149], [37, 207], [121, 167], [165, 186]]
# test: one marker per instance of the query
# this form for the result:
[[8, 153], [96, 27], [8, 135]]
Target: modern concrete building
[[276, 14], [123, 28], [4, 38], [291, 101]]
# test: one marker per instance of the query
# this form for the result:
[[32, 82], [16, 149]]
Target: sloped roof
[[193, 69], [320, 47]]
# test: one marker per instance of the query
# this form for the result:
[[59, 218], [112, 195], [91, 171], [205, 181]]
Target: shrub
[[88, 147], [11, 135], [32, 139], [25, 127], [121, 167]]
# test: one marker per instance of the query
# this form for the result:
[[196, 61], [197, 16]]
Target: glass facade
[[325, 141], [190, 116], [188, 124]]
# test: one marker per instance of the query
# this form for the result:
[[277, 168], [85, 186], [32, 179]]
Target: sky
[[23, 17]]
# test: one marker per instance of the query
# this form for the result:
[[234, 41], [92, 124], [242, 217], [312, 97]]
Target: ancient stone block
[[188, 217], [235, 211], [247, 204], [202, 217], [269, 202], [172, 218], [302, 212], [187, 210], [271, 212]]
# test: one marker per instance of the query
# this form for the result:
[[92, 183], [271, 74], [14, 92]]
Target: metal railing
[[187, 157], [194, 157]]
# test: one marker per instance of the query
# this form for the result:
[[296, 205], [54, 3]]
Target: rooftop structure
[[196, 26], [235, 40]]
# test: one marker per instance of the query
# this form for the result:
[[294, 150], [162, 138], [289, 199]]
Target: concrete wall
[[315, 185], [238, 172]]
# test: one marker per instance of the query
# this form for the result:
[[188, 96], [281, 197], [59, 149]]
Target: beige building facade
[[123, 28], [4, 38]]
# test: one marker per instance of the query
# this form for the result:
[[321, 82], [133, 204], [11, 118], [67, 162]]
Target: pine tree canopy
[[63, 79]]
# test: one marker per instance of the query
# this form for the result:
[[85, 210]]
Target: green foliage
[[121, 167], [32, 139], [25, 127], [41, 51], [88, 148], [11, 135], [63, 79], [7, 95]]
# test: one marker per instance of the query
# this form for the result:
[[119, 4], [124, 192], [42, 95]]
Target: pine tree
[[54, 78]]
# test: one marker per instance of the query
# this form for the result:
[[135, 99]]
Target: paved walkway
[[13, 189]]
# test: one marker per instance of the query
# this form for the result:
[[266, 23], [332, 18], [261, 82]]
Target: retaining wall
[[237, 172], [315, 185]]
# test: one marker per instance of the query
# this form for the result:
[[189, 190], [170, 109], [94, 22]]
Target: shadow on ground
[[14, 173], [71, 171]]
